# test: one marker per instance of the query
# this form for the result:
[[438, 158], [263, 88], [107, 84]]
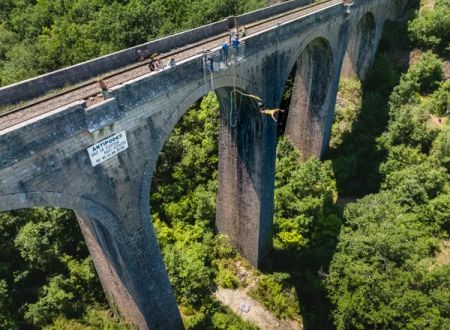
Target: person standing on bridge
[[172, 63], [235, 44], [104, 88], [224, 53], [153, 63], [210, 58], [242, 31], [235, 41]]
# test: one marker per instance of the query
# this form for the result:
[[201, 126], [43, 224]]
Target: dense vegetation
[[37, 36], [384, 273], [378, 262], [46, 273], [390, 270]]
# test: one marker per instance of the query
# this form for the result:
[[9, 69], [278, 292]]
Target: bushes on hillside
[[432, 28]]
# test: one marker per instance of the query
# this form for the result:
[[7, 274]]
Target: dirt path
[[251, 310]]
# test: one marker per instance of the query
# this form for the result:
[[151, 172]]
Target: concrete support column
[[132, 272], [246, 169]]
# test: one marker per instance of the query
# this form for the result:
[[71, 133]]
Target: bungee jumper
[[268, 112]]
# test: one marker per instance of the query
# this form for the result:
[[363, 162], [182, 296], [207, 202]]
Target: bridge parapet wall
[[35, 135], [37, 86], [291, 29], [23, 142], [270, 11], [76, 118]]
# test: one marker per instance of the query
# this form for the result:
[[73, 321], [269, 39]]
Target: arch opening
[[366, 49], [47, 270], [360, 49], [307, 120], [108, 247], [206, 169], [190, 151]]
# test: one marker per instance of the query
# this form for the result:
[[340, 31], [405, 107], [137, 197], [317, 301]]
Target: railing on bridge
[[219, 59]]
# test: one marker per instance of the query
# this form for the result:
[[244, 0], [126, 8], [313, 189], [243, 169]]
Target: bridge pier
[[247, 144], [132, 273]]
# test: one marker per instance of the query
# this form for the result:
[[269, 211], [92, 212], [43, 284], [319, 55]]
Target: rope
[[233, 99], [234, 88], [204, 72], [257, 98], [212, 80]]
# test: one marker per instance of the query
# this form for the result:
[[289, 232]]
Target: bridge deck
[[89, 90]]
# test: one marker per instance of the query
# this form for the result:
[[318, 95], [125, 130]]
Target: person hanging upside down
[[268, 112]]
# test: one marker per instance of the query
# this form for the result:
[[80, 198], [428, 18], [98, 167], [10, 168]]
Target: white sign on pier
[[107, 148]]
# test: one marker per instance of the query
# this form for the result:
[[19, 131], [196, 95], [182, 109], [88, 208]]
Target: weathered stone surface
[[44, 162]]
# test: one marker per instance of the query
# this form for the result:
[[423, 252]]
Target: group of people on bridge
[[155, 64], [233, 43]]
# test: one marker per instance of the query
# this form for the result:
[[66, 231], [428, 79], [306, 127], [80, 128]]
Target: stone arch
[[14, 201], [307, 119], [241, 155], [112, 248], [96, 223], [367, 30], [193, 95], [361, 47]]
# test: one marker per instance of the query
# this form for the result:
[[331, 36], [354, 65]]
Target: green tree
[[416, 185], [437, 212], [377, 277], [432, 28], [400, 157], [303, 194], [276, 295], [438, 103], [422, 77], [6, 317], [47, 236], [188, 272]]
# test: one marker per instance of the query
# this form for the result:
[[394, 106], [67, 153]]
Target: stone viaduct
[[44, 160]]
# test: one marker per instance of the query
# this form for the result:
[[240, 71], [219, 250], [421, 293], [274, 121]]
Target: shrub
[[432, 28], [272, 292]]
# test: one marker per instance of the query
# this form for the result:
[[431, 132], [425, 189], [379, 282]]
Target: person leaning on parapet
[[104, 88], [210, 60], [242, 31], [235, 41], [171, 63], [153, 64]]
